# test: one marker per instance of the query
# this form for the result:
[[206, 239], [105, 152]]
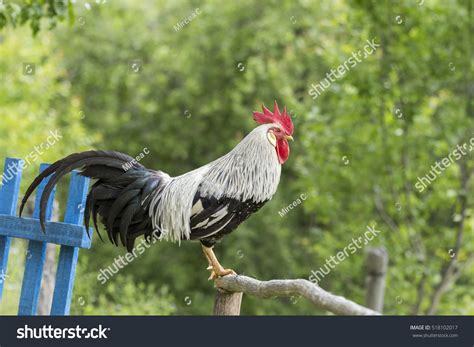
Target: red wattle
[[283, 150]]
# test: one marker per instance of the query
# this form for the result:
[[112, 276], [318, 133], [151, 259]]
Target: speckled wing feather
[[213, 218]]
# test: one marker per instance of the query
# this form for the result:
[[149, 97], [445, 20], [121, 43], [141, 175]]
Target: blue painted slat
[[35, 258], [8, 202], [68, 255], [56, 232], [65, 276]]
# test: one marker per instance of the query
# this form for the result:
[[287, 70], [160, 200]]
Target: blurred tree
[[360, 146]]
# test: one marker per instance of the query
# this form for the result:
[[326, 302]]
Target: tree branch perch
[[273, 288]]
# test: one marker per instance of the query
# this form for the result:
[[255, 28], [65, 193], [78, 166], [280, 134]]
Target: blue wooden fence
[[70, 236]]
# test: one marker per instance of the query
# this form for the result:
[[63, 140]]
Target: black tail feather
[[88, 209], [95, 211], [117, 196], [119, 204]]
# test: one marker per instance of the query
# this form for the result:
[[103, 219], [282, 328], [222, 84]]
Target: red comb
[[268, 117]]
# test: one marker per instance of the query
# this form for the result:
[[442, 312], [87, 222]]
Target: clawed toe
[[214, 266]]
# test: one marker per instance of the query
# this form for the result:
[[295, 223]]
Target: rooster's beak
[[289, 137]]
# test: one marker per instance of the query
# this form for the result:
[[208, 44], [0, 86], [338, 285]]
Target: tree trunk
[[49, 273]]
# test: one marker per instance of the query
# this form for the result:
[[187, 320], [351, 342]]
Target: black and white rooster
[[204, 204]]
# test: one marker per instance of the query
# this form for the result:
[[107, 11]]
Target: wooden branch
[[273, 288], [449, 270], [420, 294], [377, 262], [380, 207]]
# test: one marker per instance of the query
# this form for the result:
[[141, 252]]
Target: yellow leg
[[217, 270]]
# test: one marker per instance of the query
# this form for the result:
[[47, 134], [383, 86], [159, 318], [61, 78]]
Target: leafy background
[[359, 148]]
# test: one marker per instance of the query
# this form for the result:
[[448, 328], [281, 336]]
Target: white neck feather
[[250, 171]]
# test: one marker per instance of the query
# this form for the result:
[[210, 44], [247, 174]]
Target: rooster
[[204, 204]]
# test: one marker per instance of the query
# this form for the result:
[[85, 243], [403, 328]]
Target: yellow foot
[[217, 270], [221, 273]]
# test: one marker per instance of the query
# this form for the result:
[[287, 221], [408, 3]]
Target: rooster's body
[[204, 204]]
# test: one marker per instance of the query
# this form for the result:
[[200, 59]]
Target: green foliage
[[13, 281], [35, 12], [37, 101], [187, 96], [122, 295]]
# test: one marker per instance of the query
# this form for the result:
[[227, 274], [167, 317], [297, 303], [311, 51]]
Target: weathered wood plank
[[227, 304], [377, 262], [68, 255], [11, 179]]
